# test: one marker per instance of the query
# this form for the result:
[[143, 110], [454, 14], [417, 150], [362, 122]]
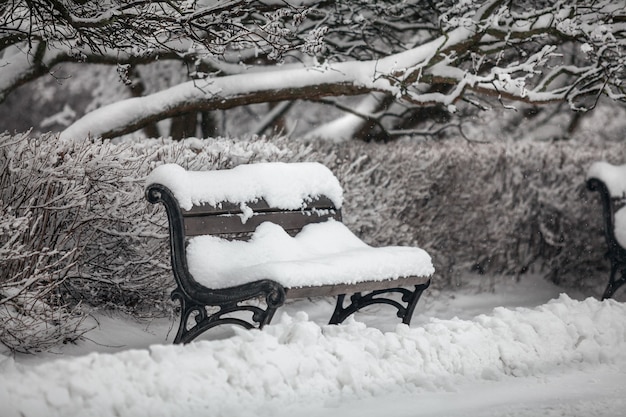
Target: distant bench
[[610, 182], [248, 238]]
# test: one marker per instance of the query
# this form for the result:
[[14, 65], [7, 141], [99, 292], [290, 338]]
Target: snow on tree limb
[[344, 78]]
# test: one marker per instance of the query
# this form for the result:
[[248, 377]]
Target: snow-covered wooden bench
[[610, 181], [248, 238]]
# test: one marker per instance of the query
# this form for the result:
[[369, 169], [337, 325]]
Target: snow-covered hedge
[[506, 207], [75, 228]]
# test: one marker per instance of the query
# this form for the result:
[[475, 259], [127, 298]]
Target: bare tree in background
[[410, 60]]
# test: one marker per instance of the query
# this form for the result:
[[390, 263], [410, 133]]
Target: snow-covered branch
[[240, 53], [442, 60]]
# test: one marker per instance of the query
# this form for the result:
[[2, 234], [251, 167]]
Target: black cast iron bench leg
[[359, 301], [614, 284]]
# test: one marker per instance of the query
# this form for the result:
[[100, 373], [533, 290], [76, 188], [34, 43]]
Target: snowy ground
[[521, 350]]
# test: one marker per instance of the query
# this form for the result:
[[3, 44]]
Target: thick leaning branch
[[388, 75], [283, 83], [203, 95]]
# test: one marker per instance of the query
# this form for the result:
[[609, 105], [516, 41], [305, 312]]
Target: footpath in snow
[[564, 357]]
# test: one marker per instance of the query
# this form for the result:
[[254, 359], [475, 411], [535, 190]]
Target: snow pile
[[297, 363], [282, 185], [321, 254]]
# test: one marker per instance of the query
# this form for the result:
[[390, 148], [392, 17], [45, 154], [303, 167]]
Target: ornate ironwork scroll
[[359, 301]]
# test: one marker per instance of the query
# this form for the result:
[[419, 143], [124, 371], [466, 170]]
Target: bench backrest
[[227, 218], [236, 220], [237, 200]]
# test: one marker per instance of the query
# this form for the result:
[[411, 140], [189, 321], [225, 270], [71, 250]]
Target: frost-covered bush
[[74, 228], [76, 231]]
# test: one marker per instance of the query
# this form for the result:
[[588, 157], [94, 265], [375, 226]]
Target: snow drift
[[297, 362]]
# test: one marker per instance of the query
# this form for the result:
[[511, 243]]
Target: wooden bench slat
[[333, 290], [231, 224], [320, 203]]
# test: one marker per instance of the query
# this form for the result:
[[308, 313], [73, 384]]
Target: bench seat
[[321, 254]]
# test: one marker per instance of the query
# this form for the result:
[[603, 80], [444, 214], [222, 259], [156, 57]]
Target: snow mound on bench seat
[[325, 253], [283, 185]]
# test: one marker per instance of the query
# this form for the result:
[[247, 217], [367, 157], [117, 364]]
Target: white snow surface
[[321, 254], [562, 357], [282, 185]]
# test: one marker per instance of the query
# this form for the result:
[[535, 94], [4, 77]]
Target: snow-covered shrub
[[75, 228], [35, 207]]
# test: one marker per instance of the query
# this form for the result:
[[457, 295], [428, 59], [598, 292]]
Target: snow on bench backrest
[[614, 176], [282, 185]]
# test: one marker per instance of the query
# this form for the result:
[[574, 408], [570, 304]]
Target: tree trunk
[[137, 88], [208, 124], [184, 126]]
